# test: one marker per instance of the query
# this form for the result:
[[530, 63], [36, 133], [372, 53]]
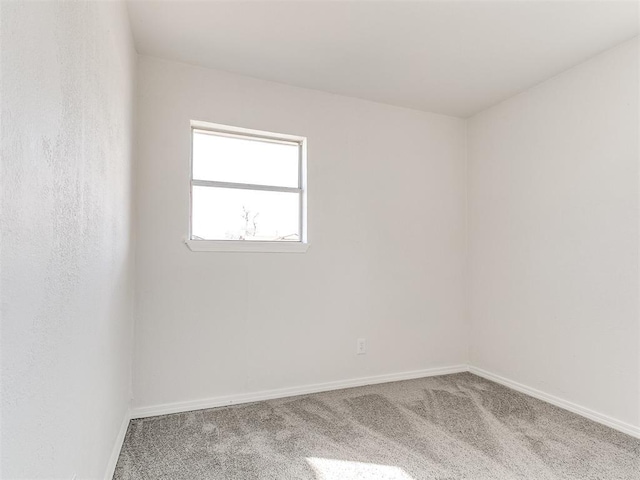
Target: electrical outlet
[[361, 346]]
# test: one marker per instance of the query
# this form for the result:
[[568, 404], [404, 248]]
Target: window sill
[[247, 246]]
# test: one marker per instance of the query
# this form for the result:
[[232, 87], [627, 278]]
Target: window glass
[[239, 214], [242, 160]]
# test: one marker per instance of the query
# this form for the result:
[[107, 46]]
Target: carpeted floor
[[450, 427]]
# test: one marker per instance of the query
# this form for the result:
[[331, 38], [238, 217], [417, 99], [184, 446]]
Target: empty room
[[320, 240]]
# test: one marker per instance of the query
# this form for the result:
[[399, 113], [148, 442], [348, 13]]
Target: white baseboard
[[117, 446], [177, 407], [619, 425]]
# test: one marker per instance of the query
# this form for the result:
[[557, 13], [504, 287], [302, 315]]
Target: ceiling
[[450, 57]]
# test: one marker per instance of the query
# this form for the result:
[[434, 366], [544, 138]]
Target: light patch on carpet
[[330, 469]]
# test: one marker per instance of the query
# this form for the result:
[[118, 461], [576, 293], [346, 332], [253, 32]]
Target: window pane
[[239, 160], [237, 214]]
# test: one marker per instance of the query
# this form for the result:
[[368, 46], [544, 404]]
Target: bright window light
[[330, 469], [247, 185]]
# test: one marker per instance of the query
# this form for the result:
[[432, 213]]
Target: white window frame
[[300, 246]]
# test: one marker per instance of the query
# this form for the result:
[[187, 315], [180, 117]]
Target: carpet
[[449, 427]]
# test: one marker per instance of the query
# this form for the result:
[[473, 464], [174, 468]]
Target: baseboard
[[619, 425], [178, 407], [117, 446]]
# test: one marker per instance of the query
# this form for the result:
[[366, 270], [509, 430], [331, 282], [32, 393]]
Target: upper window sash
[[249, 161]]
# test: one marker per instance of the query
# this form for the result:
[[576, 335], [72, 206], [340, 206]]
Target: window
[[248, 190]]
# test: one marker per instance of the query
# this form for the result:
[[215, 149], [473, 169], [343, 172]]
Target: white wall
[[67, 85], [387, 258], [553, 226]]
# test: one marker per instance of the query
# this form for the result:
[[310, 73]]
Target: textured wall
[[553, 228], [66, 261], [387, 257]]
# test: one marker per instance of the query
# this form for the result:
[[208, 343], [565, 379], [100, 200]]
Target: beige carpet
[[450, 427]]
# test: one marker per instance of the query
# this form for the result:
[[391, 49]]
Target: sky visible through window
[[242, 214]]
